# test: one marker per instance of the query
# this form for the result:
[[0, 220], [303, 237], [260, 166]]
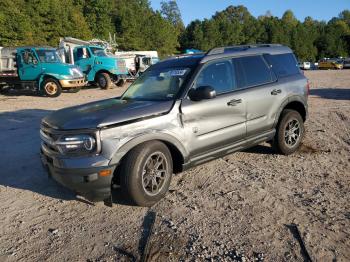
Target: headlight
[[75, 72], [76, 144]]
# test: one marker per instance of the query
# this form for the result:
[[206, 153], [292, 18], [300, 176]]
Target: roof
[[190, 60], [180, 61], [35, 47], [240, 50]]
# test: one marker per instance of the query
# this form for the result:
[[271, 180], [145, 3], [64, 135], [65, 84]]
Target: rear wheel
[[103, 80], [4, 90], [290, 132], [51, 87], [146, 173], [121, 82]]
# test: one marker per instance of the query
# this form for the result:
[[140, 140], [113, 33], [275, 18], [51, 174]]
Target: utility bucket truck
[[97, 64]]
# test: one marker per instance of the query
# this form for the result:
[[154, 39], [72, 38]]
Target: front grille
[[121, 65], [76, 82], [48, 137]]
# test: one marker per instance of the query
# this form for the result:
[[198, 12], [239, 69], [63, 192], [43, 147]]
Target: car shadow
[[15, 93], [331, 93], [20, 164], [19, 93], [260, 150]]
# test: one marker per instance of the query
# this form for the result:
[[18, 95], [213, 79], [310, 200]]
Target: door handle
[[276, 92], [234, 102]]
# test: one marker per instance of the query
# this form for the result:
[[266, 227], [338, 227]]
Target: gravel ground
[[248, 206]]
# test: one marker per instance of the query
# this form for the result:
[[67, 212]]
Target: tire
[[287, 144], [4, 90], [138, 168], [103, 80], [120, 82], [51, 87]]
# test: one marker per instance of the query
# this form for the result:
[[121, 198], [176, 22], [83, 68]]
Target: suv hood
[[104, 113]]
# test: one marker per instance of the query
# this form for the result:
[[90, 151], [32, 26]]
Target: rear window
[[252, 71], [283, 65]]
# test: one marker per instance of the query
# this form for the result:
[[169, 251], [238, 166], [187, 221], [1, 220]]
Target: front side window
[[98, 51], [48, 56], [158, 84], [82, 53], [29, 57], [218, 75], [252, 71]]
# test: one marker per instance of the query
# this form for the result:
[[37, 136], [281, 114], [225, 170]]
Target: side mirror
[[201, 93], [35, 62]]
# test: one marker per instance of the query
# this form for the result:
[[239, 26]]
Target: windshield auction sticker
[[178, 72]]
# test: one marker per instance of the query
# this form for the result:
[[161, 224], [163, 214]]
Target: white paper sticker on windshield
[[179, 72]]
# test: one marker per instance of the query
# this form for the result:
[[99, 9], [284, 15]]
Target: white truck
[[137, 62]]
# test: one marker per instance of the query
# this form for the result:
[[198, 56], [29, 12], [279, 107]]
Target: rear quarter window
[[283, 64]]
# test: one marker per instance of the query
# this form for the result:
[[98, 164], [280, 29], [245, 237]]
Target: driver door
[[83, 59], [30, 68], [215, 123]]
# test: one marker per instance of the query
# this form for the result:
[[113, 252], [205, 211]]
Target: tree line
[[139, 27]]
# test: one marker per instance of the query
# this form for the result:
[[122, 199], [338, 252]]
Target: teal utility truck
[[37, 69], [99, 66]]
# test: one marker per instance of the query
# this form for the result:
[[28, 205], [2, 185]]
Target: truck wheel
[[51, 87], [103, 80], [146, 173], [4, 90], [290, 132], [121, 82]]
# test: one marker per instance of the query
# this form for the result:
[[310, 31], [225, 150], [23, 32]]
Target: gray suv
[[181, 112]]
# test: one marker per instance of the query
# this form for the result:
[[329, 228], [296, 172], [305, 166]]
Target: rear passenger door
[[261, 92]]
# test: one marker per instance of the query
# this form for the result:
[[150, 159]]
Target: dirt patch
[[308, 149]]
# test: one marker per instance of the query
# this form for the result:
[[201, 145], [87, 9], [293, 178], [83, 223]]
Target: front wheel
[[51, 87], [103, 80], [290, 132], [146, 173]]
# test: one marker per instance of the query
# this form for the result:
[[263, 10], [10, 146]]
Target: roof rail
[[182, 56], [228, 49]]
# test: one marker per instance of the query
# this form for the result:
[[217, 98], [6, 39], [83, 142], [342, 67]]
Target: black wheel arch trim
[[286, 102], [162, 137]]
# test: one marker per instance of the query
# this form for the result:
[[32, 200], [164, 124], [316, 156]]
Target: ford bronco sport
[[181, 112]]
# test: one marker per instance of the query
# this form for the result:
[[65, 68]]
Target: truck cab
[[38, 69], [98, 66], [95, 62]]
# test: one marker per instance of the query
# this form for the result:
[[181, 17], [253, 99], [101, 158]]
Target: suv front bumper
[[80, 175]]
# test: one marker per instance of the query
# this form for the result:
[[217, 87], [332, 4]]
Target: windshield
[[160, 84], [48, 56], [98, 51]]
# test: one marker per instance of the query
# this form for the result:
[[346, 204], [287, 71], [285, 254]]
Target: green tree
[[170, 11], [98, 15], [15, 25], [139, 27]]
